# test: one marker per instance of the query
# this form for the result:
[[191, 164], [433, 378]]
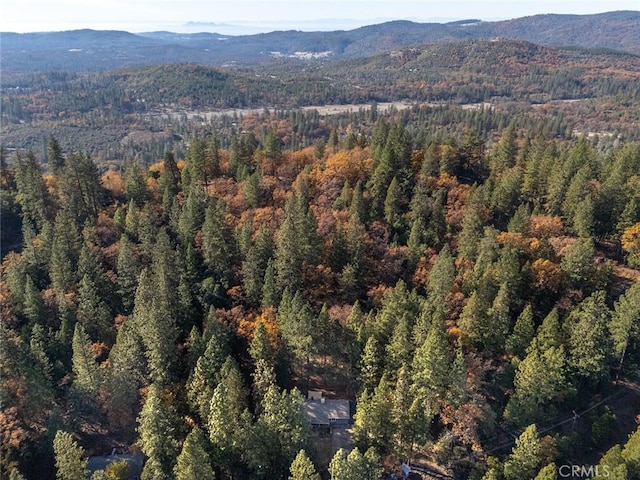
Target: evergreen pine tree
[[295, 320], [263, 377], [421, 202], [157, 427], [630, 215], [71, 461], [64, 335], [437, 226], [64, 252], [371, 364], [583, 218], [255, 264], [223, 425], [260, 347], [16, 278], [152, 316], [590, 347], [79, 188], [356, 235], [471, 233], [487, 254], [519, 223], [550, 333], [576, 192], [406, 425], [252, 190], [431, 161], [279, 433], [415, 243], [135, 184], [55, 158], [533, 180], [344, 199], [440, 280], [507, 150], [125, 375], [339, 254], [191, 216], [272, 150], [128, 269], [33, 195], [354, 465], [506, 194], [87, 374], [132, 221], [194, 463], [217, 247], [432, 365], [89, 263], [288, 255], [625, 327], [396, 302], [475, 320], [237, 392], [93, 313], [38, 353], [499, 317], [631, 454], [33, 305], [170, 176], [206, 373], [457, 391], [523, 333], [302, 468], [549, 472], [541, 380], [373, 419], [269, 289], [357, 206], [379, 183], [392, 203], [194, 172], [524, 460], [399, 350]]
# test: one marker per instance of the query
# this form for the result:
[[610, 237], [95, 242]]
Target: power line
[[573, 418]]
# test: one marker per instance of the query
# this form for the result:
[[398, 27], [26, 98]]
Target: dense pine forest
[[468, 276]]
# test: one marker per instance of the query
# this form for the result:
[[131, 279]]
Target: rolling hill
[[89, 50], [85, 107]]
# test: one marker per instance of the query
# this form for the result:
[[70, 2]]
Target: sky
[[239, 17]]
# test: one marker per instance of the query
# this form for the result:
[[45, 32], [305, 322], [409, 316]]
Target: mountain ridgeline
[[83, 50], [436, 228]]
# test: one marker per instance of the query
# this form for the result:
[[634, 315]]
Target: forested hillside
[[474, 290], [145, 111], [442, 238]]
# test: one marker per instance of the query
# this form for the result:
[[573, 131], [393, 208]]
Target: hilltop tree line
[[458, 72], [145, 111], [461, 287]]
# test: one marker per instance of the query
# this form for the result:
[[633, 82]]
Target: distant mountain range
[[91, 50]]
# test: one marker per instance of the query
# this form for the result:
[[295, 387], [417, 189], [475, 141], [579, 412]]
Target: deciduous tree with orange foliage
[[631, 243]]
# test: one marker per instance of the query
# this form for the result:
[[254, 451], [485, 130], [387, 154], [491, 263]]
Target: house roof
[[324, 413]]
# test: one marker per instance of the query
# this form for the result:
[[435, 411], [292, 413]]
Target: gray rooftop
[[319, 413]]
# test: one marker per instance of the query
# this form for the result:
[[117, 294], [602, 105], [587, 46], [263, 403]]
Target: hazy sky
[[251, 16]]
